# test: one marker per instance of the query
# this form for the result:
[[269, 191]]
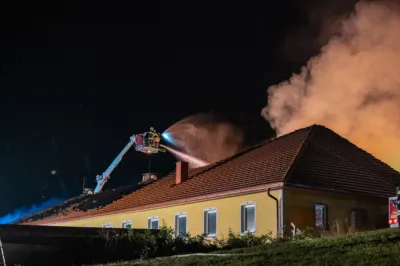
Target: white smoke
[[352, 86]]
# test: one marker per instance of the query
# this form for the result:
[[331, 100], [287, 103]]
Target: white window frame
[[206, 212], [243, 206], [324, 215], [107, 225], [124, 222], [176, 216], [150, 220]]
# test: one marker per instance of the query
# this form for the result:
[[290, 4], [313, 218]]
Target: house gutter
[[277, 210], [284, 183]]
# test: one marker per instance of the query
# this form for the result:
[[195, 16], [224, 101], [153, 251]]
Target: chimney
[[182, 172]]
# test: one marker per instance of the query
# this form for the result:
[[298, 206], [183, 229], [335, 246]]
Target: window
[[210, 222], [107, 225], [358, 218], [180, 224], [248, 217], [320, 216], [126, 224], [152, 222]]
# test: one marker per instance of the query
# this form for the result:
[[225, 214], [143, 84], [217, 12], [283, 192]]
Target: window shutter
[[326, 226], [205, 222], [242, 219], [176, 225], [353, 218], [148, 223]]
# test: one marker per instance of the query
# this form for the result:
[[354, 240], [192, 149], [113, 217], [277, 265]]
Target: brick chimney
[[182, 172]]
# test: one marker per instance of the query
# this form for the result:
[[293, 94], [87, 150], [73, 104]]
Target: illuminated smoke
[[205, 137], [352, 86], [22, 212]]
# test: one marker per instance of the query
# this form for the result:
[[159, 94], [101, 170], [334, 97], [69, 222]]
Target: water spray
[[207, 136], [186, 157]]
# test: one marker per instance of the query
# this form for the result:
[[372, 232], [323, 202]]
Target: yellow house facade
[[220, 215], [307, 178]]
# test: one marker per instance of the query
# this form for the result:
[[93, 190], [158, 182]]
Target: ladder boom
[[103, 178]]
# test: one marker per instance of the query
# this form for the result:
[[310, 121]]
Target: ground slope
[[381, 247]]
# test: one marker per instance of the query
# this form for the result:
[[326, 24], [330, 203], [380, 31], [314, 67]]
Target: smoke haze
[[352, 86], [212, 137], [22, 212], [206, 137]]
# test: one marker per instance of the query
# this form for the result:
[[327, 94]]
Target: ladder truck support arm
[[103, 178]]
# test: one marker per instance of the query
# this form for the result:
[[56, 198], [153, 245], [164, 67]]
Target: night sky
[[76, 80]]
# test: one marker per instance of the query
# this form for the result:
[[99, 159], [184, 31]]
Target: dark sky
[[77, 79]]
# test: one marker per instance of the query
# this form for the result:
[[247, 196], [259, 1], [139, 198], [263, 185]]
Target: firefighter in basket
[[153, 138]]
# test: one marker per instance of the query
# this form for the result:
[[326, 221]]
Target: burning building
[[309, 177]]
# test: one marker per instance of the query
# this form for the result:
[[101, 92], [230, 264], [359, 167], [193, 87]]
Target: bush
[[339, 228], [235, 240], [148, 244]]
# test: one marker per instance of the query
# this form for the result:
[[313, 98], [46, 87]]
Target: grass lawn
[[381, 247]]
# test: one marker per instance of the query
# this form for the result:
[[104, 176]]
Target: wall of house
[[299, 208], [228, 215]]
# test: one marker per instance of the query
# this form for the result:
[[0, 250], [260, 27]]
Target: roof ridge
[[249, 149], [240, 153], [299, 152]]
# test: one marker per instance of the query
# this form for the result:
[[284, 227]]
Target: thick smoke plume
[[206, 137], [22, 212], [352, 86]]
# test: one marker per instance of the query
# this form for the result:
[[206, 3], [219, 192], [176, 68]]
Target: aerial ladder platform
[[148, 142]]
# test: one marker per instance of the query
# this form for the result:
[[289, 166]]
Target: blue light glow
[[167, 137], [20, 213]]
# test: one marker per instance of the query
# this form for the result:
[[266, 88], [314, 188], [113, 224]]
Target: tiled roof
[[312, 157]]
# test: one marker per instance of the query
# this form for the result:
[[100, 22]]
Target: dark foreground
[[48, 245], [381, 247]]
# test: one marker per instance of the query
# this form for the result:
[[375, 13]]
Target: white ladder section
[[3, 262]]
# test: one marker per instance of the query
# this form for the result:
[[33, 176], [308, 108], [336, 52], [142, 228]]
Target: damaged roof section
[[83, 203]]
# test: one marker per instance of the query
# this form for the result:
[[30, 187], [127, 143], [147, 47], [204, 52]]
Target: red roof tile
[[313, 157]]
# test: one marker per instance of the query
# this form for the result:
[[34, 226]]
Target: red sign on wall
[[392, 212]]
